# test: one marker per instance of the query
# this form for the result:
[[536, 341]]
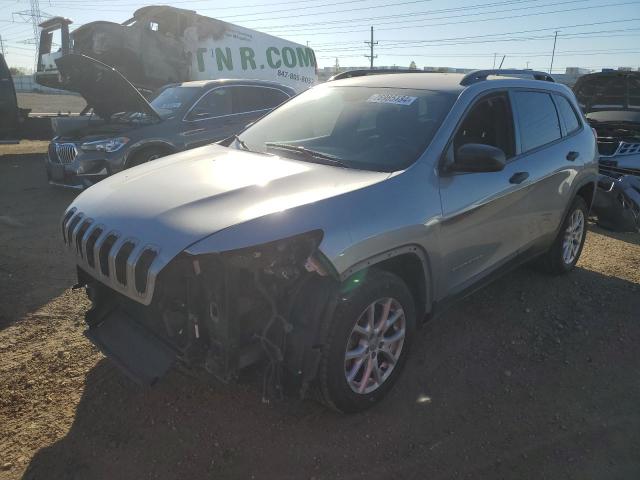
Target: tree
[[16, 71], [412, 65]]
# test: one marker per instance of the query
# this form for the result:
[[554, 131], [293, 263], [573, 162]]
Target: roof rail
[[375, 71], [480, 75]]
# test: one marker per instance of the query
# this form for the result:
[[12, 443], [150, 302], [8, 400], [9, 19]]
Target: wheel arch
[[587, 192], [140, 147], [411, 264]]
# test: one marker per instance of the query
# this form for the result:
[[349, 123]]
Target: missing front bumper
[[143, 356]]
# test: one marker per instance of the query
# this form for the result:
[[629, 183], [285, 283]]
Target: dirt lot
[[46, 103], [532, 377]]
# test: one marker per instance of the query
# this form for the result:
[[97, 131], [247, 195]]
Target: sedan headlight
[[109, 145]]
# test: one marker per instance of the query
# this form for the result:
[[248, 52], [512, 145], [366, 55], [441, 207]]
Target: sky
[[592, 34]]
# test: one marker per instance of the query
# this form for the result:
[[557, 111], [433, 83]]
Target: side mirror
[[477, 157]]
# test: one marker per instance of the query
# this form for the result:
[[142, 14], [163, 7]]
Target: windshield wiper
[[311, 154], [241, 142]]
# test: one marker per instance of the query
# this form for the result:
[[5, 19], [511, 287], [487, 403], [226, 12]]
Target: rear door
[[210, 119], [482, 226], [548, 152], [224, 111], [8, 104]]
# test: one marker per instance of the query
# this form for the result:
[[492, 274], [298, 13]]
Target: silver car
[[322, 236]]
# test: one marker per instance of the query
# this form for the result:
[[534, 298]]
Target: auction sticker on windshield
[[389, 98]]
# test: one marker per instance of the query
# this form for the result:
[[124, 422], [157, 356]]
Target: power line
[[508, 17], [414, 14]]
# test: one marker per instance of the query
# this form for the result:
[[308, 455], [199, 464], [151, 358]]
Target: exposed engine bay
[[611, 103], [221, 313]]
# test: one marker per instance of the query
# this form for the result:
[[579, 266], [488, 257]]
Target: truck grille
[[65, 152], [123, 263]]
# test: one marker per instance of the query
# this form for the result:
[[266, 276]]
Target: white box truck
[[162, 44]]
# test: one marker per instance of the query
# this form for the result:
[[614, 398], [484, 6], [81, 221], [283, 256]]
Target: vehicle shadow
[[34, 266], [628, 237], [531, 377]]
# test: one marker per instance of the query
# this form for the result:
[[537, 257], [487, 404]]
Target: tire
[[145, 156], [555, 261], [378, 288]]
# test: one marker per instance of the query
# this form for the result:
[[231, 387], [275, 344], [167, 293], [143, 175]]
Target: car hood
[[173, 202], [102, 86], [608, 91]]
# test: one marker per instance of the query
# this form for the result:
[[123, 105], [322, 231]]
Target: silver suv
[[322, 236]]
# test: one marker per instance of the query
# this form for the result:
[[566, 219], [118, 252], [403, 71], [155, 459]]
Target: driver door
[[482, 226]]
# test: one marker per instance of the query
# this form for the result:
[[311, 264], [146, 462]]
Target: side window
[[251, 99], [537, 119], [216, 103], [273, 97], [568, 114], [489, 122]]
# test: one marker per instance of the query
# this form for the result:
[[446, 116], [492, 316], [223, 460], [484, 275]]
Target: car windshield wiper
[[241, 142], [311, 154]]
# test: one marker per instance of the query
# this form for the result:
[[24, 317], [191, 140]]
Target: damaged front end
[[222, 312]]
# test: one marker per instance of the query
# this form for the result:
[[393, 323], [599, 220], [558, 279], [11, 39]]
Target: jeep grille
[[124, 264]]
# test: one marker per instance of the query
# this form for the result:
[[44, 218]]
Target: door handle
[[519, 177], [571, 156]]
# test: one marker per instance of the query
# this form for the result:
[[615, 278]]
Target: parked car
[[325, 233], [611, 103], [123, 129]]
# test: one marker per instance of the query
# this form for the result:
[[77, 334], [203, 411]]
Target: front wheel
[[567, 247], [370, 336]]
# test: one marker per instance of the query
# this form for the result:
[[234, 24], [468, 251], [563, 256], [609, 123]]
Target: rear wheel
[[367, 347], [567, 247]]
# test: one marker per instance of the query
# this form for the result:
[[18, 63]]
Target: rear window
[[537, 119], [568, 114]]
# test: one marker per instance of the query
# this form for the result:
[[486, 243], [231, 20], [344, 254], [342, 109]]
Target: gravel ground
[[532, 377]]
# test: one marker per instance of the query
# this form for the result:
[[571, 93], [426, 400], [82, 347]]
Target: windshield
[[382, 129], [172, 99]]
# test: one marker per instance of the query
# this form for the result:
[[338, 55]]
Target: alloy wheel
[[374, 345]]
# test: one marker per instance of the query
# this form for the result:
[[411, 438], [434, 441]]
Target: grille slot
[[142, 269], [121, 261], [66, 152], [83, 229], [104, 253], [66, 218], [72, 225], [91, 243]]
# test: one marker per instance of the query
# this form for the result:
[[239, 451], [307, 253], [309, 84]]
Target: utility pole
[[371, 44], [494, 61], [527, 66], [33, 15], [553, 54], [337, 66], [2, 47], [502, 61]]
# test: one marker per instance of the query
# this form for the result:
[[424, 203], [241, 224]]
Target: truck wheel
[[146, 156], [567, 247], [367, 344]]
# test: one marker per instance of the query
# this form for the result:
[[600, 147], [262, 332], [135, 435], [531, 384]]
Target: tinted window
[[273, 97], [383, 129], [251, 99], [171, 99], [567, 113], [537, 119], [216, 103], [489, 123]]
